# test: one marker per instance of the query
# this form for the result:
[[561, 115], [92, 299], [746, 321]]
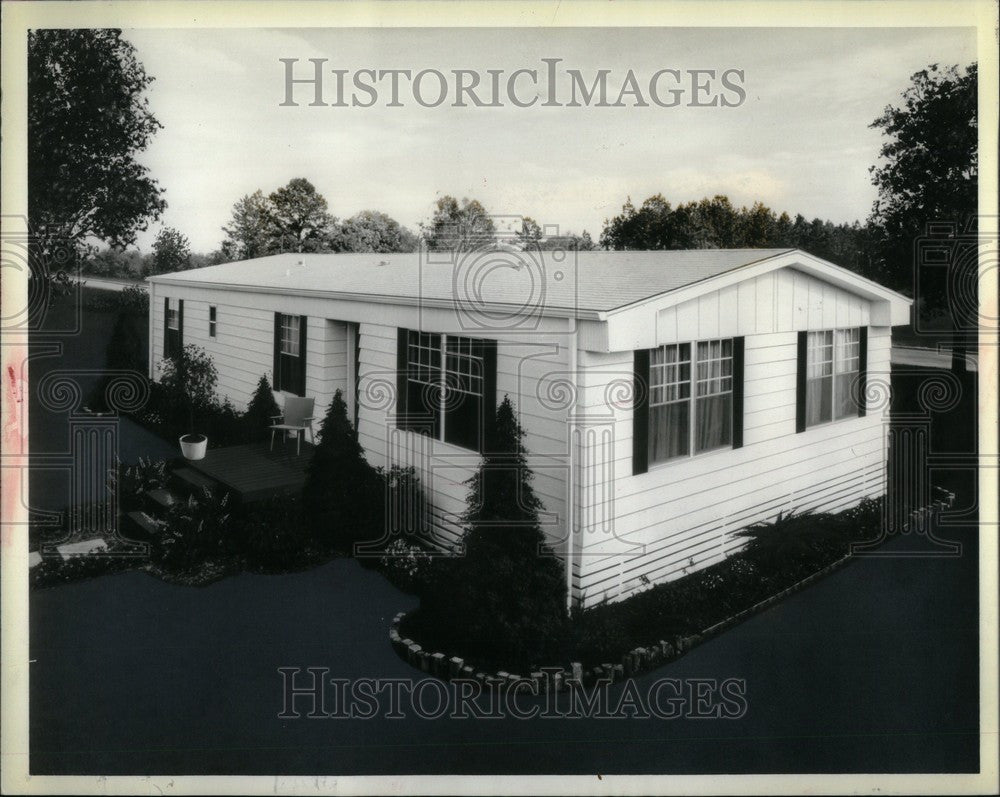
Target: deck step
[[82, 548], [162, 498], [193, 481], [148, 527]]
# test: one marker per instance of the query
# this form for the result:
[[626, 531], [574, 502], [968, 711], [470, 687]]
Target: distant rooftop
[[594, 282]]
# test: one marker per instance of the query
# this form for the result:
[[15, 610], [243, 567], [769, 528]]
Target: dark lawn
[[874, 669]]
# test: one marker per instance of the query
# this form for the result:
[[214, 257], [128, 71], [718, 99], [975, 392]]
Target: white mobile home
[[669, 398]]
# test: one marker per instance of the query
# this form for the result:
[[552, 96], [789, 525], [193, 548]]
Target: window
[[290, 353], [211, 322], [833, 366], [447, 386], [173, 327], [690, 411]]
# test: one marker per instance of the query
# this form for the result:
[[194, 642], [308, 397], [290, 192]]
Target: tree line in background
[[89, 120]]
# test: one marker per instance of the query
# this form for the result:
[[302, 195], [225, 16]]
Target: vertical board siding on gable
[[443, 469]]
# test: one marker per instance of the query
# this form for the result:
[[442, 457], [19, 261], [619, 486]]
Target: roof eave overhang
[[381, 299]]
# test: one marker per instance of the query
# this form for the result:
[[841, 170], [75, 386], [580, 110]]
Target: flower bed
[[660, 623]]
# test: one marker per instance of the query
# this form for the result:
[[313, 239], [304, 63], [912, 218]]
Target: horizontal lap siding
[[681, 516], [243, 348], [443, 469]]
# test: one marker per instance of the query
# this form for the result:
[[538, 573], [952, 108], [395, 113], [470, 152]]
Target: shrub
[[134, 299], [260, 412], [799, 541], [404, 506], [341, 492], [410, 567], [196, 530], [504, 599], [130, 483]]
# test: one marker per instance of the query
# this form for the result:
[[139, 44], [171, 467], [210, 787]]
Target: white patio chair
[[298, 418]]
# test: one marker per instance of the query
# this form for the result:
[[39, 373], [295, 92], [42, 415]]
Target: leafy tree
[[188, 382], [506, 596], [88, 119], [299, 219], [260, 411], [716, 224], [340, 495], [459, 227], [530, 235], [929, 173], [248, 234], [373, 231], [171, 251]]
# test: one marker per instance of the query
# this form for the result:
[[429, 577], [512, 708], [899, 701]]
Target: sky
[[800, 141]]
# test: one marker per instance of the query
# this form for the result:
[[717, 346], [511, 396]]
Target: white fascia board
[[376, 298]]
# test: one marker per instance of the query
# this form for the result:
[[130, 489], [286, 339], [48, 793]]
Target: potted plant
[[190, 378]]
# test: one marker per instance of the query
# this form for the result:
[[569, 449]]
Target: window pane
[[715, 367], [714, 417], [670, 374], [669, 431], [463, 368], [819, 358], [290, 335], [463, 380], [844, 405], [847, 351], [462, 420], [818, 399]]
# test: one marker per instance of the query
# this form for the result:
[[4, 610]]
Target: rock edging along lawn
[[634, 662]]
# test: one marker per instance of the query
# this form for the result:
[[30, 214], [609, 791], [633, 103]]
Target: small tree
[[260, 411], [189, 381], [125, 352], [340, 493], [506, 596]]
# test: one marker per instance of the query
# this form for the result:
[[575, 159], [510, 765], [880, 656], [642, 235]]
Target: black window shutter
[[276, 381], [800, 382], [738, 392], [402, 340], [862, 371], [166, 327], [640, 412], [489, 410], [302, 356], [180, 326]]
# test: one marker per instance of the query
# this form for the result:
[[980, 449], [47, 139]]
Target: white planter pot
[[193, 446]]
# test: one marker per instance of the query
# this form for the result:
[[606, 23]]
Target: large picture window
[[833, 364], [690, 409], [290, 353], [447, 386]]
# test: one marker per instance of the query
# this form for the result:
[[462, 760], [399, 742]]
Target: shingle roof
[[596, 281]]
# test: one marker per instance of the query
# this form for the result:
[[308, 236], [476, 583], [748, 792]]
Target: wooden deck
[[253, 473]]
